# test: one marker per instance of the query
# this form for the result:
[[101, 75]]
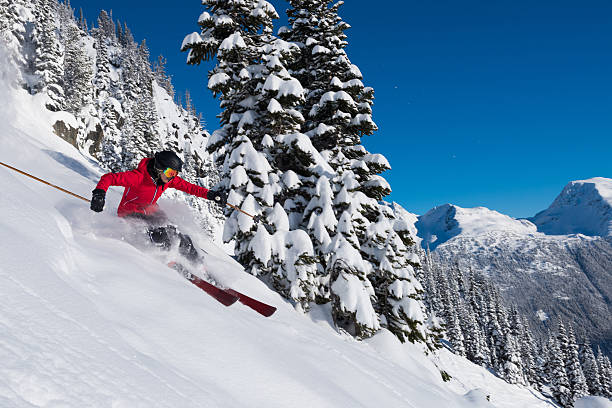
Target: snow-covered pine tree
[[605, 373], [590, 369], [48, 64], [509, 363], [82, 21], [476, 284], [476, 349], [107, 26], [14, 15], [543, 362], [102, 78], [511, 359], [139, 133], [258, 128], [559, 383], [450, 314], [162, 77], [431, 299], [398, 292], [431, 296], [145, 77], [332, 82], [78, 73], [127, 38], [476, 301], [108, 108], [276, 131], [562, 341], [527, 347], [337, 113], [350, 290], [573, 368], [493, 332]]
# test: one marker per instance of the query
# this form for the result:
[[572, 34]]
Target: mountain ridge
[[557, 263]]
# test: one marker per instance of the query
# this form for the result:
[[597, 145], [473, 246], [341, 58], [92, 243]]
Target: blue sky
[[479, 103]]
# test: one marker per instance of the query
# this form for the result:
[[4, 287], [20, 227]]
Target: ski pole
[[44, 182], [255, 218], [236, 208]]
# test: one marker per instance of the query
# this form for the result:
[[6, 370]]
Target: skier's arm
[[125, 179], [188, 187], [218, 197]]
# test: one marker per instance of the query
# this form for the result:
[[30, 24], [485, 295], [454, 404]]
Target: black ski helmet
[[166, 159]]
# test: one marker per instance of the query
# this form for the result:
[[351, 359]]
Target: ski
[[225, 296], [260, 307], [222, 296]]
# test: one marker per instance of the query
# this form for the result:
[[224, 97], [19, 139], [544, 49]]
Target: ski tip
[[263, 309]]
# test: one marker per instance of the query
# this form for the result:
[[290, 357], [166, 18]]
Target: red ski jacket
[[141, 193]]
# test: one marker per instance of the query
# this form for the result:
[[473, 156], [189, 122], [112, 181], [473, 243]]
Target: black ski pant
[[166, 236]]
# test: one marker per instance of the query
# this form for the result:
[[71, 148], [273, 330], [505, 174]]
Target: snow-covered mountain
[[443, 223], [558, 263], [96, 320], [583, 207]]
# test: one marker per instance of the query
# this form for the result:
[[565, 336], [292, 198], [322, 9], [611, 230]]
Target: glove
[[97, 200], [218, 197]]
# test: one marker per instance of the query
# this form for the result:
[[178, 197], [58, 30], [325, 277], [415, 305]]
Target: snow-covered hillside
[[583, 207], [92, 318], [558, 263]]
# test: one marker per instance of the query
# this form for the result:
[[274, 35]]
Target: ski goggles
[[170, 173]]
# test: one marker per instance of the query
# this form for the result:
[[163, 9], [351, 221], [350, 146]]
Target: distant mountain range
[[557, 264]]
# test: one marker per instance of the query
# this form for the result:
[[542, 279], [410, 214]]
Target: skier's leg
[[186, 248], [166, 236], [161, 236]]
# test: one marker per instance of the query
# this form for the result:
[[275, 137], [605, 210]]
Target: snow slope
[[583, 207], [92, 318]]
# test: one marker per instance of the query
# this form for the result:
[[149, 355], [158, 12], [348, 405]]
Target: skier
[[143, 187]]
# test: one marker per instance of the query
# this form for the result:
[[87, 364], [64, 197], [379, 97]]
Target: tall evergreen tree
[[528, 356], [590, 369], [13, 22], [398, 292], [107, 26], [162, 77], [48, 64], [605, 373], [450, 316], [476, 349], [337, 113], [559, 383], [493, 331], [109, 109], [573, 368], [78, 73], [543, 362], [258, 128]]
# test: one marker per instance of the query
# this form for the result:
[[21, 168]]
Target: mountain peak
[[444, 222], [583, 207]]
